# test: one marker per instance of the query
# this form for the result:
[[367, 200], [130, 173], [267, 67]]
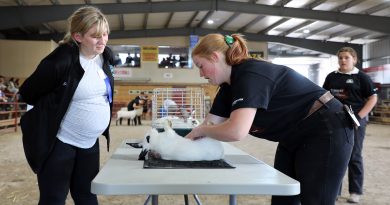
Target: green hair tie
[[229, 40]]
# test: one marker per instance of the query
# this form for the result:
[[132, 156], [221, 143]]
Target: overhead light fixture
[[210, 21], [306, 31]]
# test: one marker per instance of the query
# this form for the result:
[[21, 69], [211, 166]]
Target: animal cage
[[184, 107]]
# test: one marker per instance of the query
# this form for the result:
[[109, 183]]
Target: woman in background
[[353, 88], [71, 91], [276, 103]]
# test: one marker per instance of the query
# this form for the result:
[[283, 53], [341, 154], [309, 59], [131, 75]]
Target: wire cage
[[184, 107]]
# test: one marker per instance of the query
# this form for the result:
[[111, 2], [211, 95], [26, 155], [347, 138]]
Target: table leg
[[186, 199], [154, 199], [232, 199], [197, 199], [147, 200]]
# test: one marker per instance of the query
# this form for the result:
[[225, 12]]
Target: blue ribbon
[[108, 87]]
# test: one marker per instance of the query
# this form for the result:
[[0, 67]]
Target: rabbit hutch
[[183, 107]]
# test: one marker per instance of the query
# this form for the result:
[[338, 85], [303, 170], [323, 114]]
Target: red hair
[[234, 52]]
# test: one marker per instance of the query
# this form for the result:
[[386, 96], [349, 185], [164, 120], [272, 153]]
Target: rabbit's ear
[[142, 155], [153, 132], [167, 125], [135, 145]]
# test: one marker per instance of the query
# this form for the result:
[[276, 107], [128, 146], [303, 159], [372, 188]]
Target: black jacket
[[50, 90]]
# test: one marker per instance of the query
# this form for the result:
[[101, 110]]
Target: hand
[[194, 134]]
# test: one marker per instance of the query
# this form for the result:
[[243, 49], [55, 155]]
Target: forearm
[[212, 119], [368, 106], [233, 129]]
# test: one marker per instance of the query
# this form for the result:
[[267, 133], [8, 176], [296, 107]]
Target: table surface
[[123, 174]]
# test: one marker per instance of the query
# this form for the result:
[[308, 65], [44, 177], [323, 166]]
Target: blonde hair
[[83, 19], [235, 52], [350, 51]]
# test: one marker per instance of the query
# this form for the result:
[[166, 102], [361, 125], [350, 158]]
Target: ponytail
[[237, 51], [233, 46]]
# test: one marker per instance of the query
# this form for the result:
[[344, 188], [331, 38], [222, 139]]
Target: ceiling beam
[[192, 19], [250, 24], [307, 6], [321, 29], [145, 22], [295, 28], [121, 18], [340, 33], [314, 4], [316, 45], [31, 15], [361, 35], [205, 18], [274, 25], [168, 20], [357, 20], [282, 2], [377, 8], [230, 19], [121, 22], [317, 3], [348, 4]]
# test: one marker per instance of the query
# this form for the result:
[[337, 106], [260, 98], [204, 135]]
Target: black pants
[[317, 156], [355, 166], [69, 168]]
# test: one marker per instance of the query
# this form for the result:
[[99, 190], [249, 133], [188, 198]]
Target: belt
[[319, 103]]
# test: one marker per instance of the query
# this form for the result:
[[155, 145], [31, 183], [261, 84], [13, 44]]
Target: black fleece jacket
[[50, 90]]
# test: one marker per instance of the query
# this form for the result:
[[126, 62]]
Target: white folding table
[[123, 174]]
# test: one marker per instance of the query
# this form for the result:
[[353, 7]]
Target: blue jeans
[[316, 154], [69, 168]]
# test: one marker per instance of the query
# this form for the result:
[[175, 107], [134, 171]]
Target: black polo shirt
[[281, 96], [352, 89]]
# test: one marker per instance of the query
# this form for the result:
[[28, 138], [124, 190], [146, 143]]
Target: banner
[[122, 73], [149, 53]]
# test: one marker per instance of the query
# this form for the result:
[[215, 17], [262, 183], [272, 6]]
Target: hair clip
[[229, 40]]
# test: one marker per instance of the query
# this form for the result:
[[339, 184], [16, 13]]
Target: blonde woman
[[353, 88], [71, 91], [276, 103]]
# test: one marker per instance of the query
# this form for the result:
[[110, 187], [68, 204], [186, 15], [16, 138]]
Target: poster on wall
[[257, 54], [122, 73], [379, 74], [149, 53], [193, 41]]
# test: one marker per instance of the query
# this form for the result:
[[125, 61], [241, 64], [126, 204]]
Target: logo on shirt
[[236, 101], [350, 81]]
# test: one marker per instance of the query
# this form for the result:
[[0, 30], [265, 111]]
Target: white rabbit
[[171, 146]]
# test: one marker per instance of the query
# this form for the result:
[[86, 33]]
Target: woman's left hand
[[195, 133]]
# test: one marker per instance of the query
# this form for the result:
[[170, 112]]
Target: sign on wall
[[149, 53], [256, 54], [122, 73]]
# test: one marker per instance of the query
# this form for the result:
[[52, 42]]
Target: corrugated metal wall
[[376, 53]]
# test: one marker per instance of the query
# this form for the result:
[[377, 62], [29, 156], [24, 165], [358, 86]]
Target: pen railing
[[10, 112]]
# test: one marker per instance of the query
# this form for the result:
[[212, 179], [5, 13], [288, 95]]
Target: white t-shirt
[[88, 114]]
